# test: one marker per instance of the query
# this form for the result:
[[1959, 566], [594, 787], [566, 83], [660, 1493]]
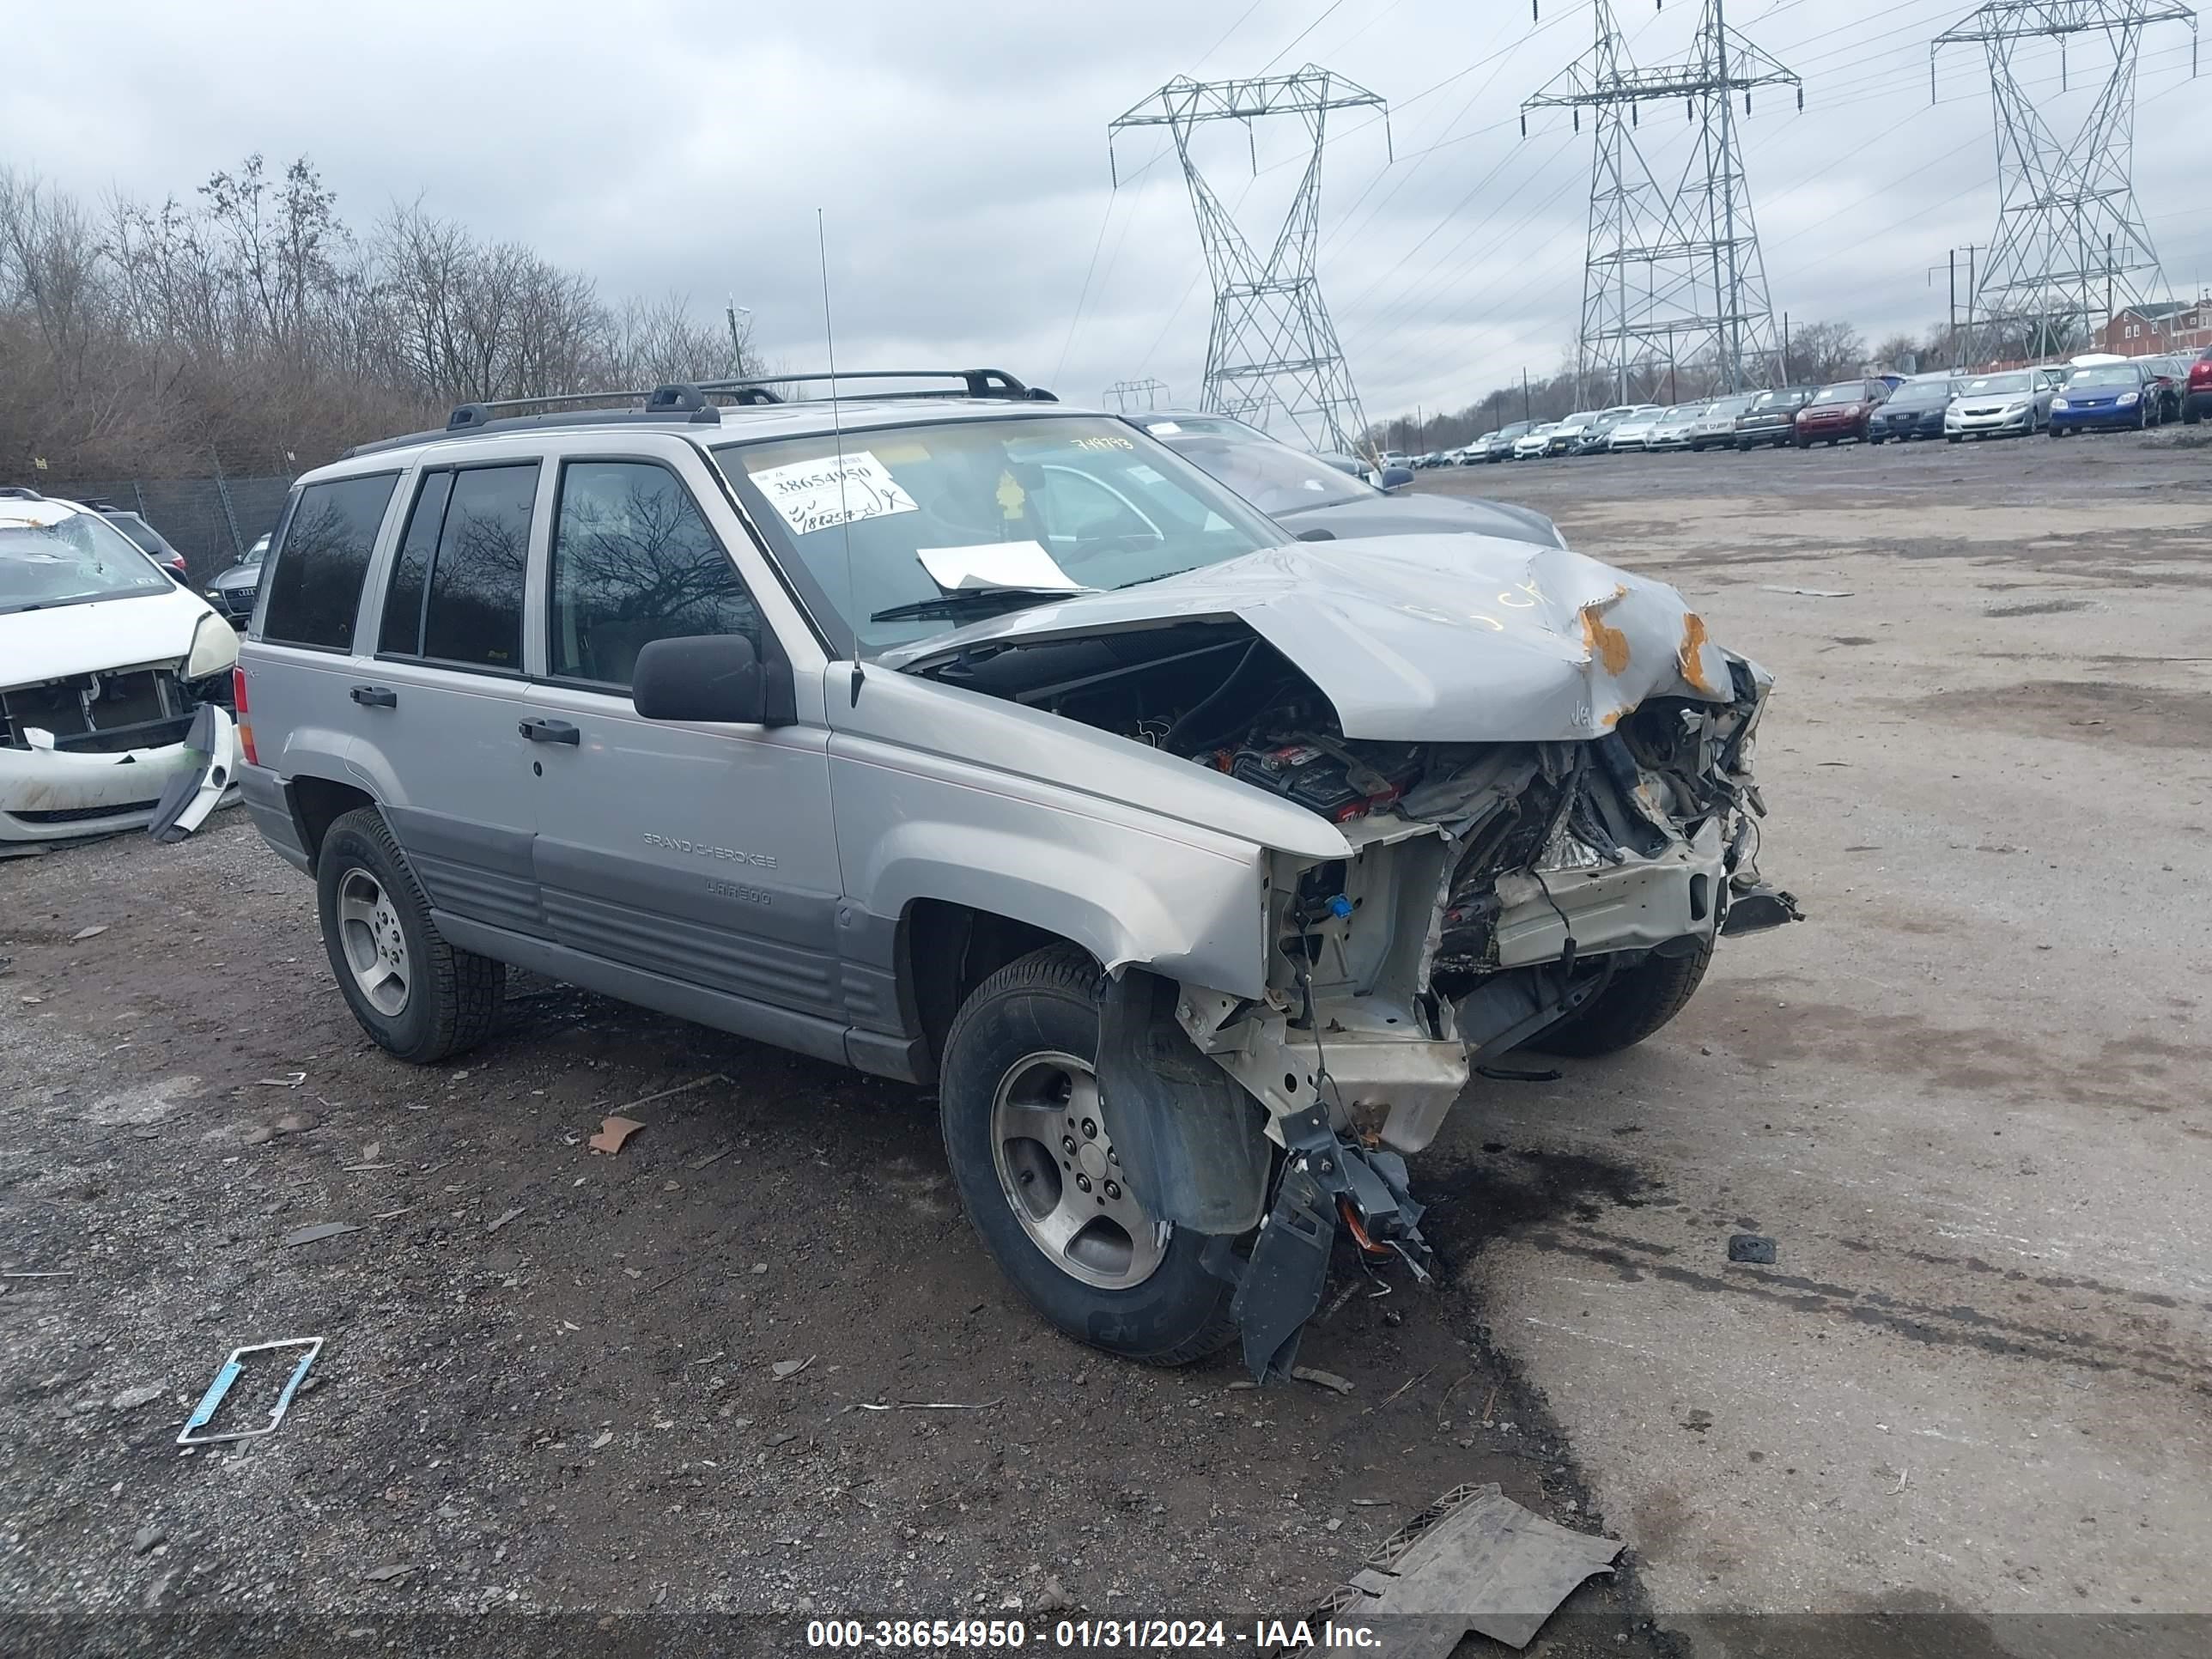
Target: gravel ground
[[1965, 1097]]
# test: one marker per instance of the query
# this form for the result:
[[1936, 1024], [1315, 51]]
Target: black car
[[1773, 416], [1915, 410], [1315, 502], [233, 591]]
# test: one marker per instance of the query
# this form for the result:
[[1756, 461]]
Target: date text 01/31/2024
[[1007, 1635]]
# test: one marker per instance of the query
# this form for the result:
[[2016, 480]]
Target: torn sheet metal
[[1483, 1564], [1441, 639], [212, 1399]]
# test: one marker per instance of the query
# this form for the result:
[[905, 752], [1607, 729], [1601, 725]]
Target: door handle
[[544, 731], [374, 696]]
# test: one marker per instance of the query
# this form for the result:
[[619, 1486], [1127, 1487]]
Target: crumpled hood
[[83, 639], [1424, 514], [1433, 639]]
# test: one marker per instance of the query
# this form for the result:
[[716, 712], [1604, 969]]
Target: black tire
[[1956, 437], [453, 997], [1048, 1001], [1638, 1002]]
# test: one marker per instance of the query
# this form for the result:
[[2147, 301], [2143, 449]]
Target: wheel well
[[317, 804], [945, 950]]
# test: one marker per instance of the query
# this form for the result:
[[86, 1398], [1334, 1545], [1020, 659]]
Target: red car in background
[[1839, 412], [2196, 396]]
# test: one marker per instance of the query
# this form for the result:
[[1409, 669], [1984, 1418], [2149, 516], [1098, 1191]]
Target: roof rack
[[976, 383], [688, 400], [19, 493]]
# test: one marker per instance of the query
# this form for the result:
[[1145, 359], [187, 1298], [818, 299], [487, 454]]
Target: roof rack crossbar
[[976, 382]]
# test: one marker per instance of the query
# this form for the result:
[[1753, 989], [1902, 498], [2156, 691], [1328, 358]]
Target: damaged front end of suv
[[1538, 770]]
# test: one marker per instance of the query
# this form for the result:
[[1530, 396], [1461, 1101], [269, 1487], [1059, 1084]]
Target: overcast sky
[[960, 150]]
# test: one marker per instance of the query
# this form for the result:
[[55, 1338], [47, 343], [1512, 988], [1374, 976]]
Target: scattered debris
[[1473, 1560], [146, 1537], [260, 1135], [1808, 592], [1751, 1247], [289, 1080], [1053, 1598], [935, 1405], [506, 1216], [295, 1123], [84, 933], [613, 1132], [205, 1412], [1370, 1503], [681, 1088], [1325, 1379], [50, 1273], [601, 1441], [130, 1398], [384, 1575], [319, 1230], [786, 1369], [712, 1157]]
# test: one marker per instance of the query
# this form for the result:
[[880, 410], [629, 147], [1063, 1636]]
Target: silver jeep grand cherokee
[[980, 742]]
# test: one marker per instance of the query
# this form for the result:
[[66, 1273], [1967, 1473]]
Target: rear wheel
[[1636, 1003], [416, 996], [1032, 1157]]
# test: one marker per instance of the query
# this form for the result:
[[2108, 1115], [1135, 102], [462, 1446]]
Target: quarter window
[[456, 589], [634, 562], [322, 559]]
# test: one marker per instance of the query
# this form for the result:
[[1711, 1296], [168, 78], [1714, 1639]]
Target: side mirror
[[712, 677], [1397, 477]]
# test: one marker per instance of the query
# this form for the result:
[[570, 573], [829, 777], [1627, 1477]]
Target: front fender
[[1186, 909]]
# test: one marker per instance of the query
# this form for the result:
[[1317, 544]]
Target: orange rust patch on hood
[[1693, 653], [1607, 644]]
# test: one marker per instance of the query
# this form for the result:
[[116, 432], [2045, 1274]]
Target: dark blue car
[[1915, 410], [2104, 395]]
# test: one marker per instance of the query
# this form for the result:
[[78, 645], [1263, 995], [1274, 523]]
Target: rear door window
[[633, 560], [320, 563], [456, 590]]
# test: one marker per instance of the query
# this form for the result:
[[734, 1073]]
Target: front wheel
[[1032, 1157], [1956, 437], [416, 996], [1636, 1003]]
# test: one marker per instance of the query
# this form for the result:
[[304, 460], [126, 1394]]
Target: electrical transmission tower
[[1123, 396], [1673, 274], [2070, 244], [1272, 348]]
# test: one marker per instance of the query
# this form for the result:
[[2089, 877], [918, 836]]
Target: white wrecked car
[[114, 683]]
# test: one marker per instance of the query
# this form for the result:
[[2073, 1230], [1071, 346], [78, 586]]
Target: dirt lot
[[1967, 1098]]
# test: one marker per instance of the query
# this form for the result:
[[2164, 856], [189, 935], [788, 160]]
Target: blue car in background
[[2101, 395]]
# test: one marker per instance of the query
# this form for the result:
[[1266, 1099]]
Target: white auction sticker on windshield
[[820, 495], [994, 564]]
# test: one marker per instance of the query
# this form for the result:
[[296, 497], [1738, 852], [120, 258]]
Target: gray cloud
[[959, 151]]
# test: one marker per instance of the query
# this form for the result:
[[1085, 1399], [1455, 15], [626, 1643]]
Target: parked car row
[[2088, 393]]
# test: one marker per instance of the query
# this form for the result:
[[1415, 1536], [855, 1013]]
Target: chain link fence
[[212, 521]]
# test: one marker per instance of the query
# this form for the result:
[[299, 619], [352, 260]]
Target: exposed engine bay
[[1490, 892]]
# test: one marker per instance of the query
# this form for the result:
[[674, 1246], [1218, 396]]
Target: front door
[[697, 852]]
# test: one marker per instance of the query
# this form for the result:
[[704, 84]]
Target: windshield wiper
[[966, 599]]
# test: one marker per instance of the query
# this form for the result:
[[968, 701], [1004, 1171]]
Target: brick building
[[2163, 326]]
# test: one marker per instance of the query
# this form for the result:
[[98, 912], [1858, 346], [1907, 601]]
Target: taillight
[[238, 710]]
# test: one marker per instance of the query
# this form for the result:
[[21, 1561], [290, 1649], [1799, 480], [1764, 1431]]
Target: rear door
[[439, 706], [702, 853]]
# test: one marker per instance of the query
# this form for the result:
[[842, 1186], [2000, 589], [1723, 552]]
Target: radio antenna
[[837, 431]]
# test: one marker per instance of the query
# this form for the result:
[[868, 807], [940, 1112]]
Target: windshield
[[69, 558], [1273, 477], [1989, 383], [1788, 397], [1923, 391], [933, 513], [1847, 392], [2110, 375], [1730, 407], [1681, 416]]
